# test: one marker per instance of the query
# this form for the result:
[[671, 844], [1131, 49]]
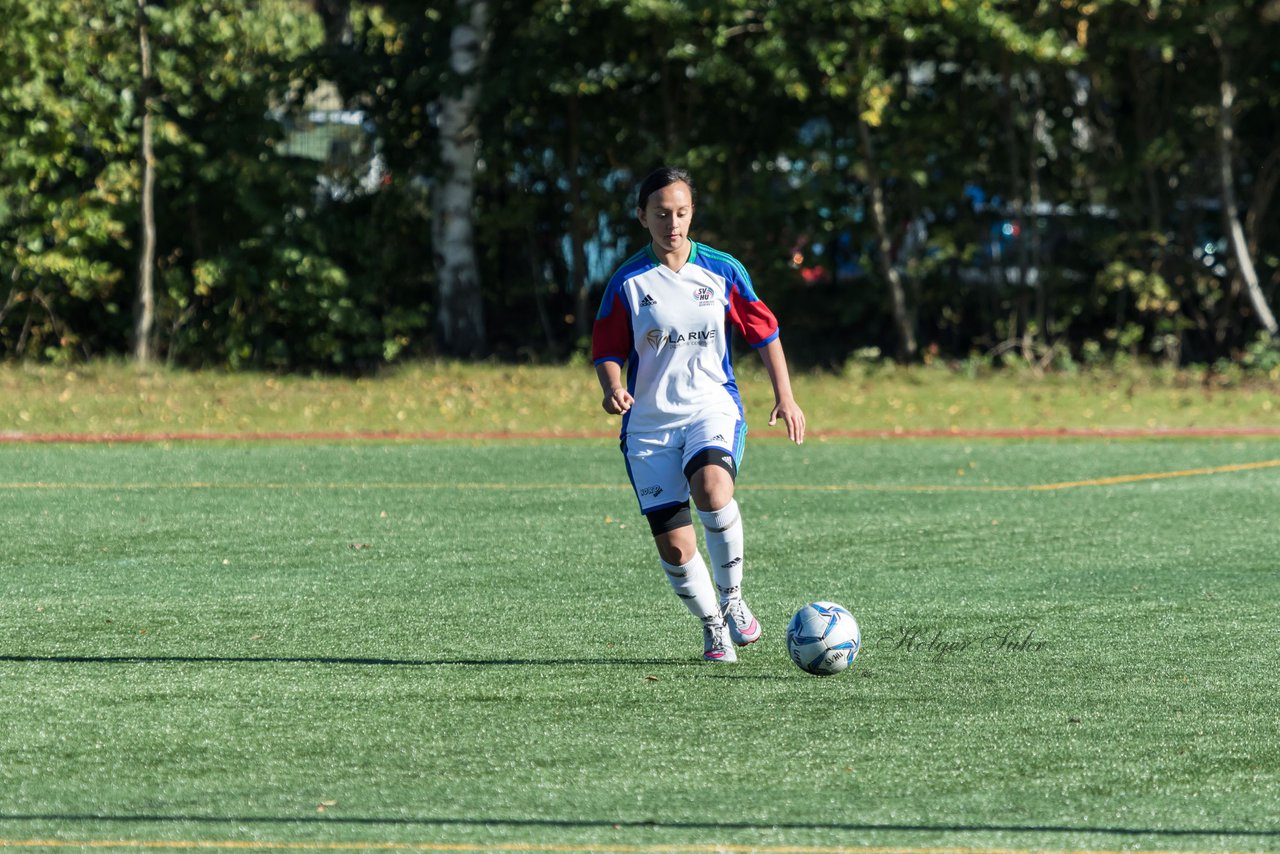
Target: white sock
[[692, 584], [724, 542]]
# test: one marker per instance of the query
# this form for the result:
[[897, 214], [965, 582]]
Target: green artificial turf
[[470, 646]]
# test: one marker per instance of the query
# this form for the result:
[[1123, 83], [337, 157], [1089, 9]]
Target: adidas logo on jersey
[[718, 438], [648, 302]]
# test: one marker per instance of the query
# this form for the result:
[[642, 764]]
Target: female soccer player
[[665, 316]]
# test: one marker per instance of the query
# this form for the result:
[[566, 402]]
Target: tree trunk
[[538, 277], [1146, 129], [580, 281], [145, 304], [335, 15], [1226, 174], [1265, 182], [460, 325], [902, 316]]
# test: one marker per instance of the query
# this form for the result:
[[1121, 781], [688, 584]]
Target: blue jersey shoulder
[[630, 268], [726, 266]]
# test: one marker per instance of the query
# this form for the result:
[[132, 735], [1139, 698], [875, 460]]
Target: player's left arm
[[760, 328], [785, 406]]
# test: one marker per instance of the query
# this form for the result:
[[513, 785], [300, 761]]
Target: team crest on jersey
[[704, 296]]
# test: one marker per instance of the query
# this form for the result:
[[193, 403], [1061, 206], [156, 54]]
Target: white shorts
[[656, 461]]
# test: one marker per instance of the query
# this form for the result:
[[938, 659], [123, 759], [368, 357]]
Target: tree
[[1134, 195], [1191, 167], [66, 176], [459, 307], [258, 274], [145, 304], [1226, 139], [892, 86], [243, 275]]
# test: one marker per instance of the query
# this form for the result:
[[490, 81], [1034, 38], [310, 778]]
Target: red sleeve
[[752, 318], [611, 333]]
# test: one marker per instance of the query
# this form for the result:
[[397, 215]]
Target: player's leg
[[712, 489], [712, 471], [654, 467], [686, 571]]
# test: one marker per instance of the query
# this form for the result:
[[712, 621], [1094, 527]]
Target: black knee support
[[711, 457], [669, 518]]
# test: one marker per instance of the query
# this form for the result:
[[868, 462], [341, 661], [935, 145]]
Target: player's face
[[667, 216]]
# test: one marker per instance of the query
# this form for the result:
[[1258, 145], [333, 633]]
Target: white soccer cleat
[[715, 641], [743, 626]]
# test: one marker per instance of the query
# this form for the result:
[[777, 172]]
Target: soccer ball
[[823, 638]]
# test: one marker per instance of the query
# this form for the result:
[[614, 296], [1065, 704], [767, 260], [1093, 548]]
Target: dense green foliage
[[1050, 172]]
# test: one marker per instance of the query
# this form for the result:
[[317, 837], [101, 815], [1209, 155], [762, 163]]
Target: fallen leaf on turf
[[357, 546]]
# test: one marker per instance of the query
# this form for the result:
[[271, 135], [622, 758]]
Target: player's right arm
[[617, 399], [610, 347]]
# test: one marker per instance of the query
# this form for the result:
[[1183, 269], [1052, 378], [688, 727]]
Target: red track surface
[[498, 436]]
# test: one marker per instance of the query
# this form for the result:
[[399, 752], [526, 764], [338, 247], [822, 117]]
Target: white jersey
[[671, 330]]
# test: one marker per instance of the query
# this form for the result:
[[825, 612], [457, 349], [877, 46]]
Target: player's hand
[[792, 416], [618, 401]]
